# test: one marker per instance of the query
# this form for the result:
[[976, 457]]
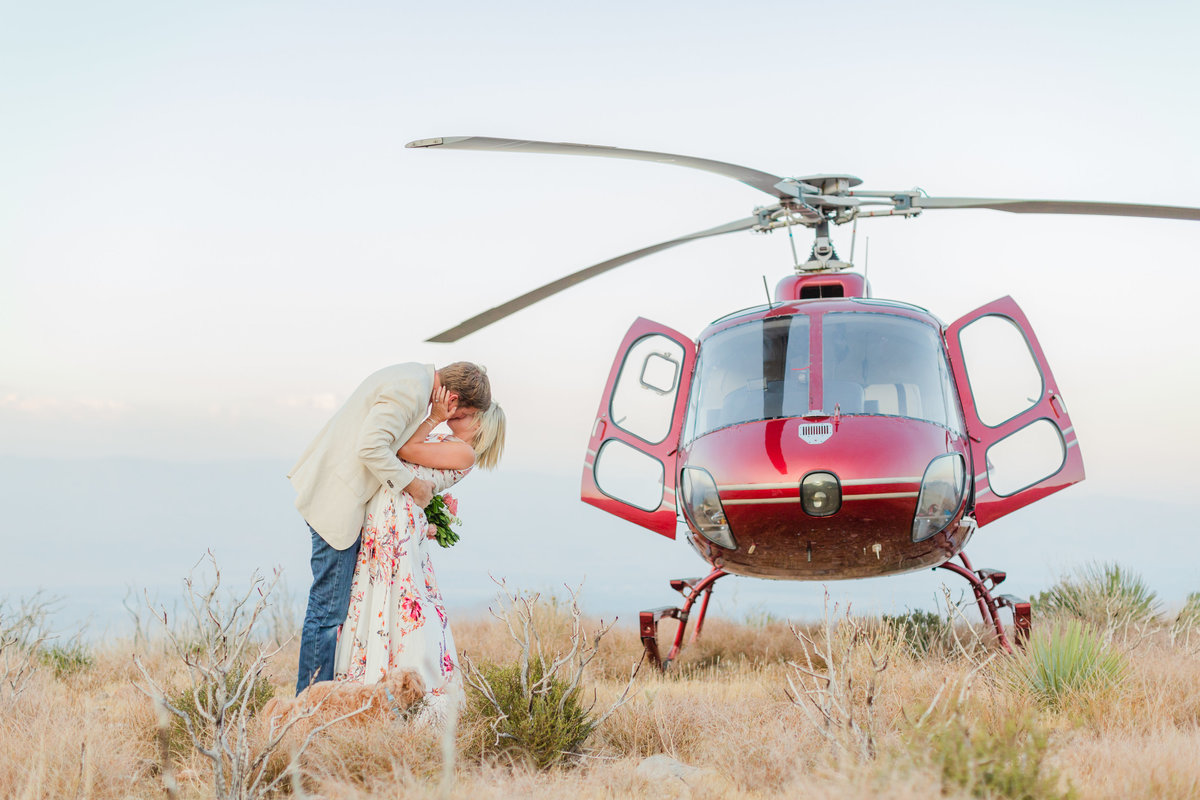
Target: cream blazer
[[355, 453]]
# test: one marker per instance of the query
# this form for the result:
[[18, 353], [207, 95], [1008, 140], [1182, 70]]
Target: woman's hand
[[443, 404]]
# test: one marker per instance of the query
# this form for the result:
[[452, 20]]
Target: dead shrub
[[837, 684], [225, 664], [22, 635]]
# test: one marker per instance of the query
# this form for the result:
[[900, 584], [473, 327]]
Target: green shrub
[[1010, 762], [539, 729], [67, 660], [260, 692], [1104, 595], [1188, 617], [922, 632], [1062, 660]]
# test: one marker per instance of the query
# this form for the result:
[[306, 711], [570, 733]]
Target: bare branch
[[225, 662], [830, 697], [625, 697]]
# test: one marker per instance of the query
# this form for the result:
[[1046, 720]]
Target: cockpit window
[[750, 372], [885, 364], [873, 363]]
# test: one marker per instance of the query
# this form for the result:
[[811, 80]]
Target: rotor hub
[[830, 183]]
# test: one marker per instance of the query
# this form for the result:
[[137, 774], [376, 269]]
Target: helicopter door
[[1022, 442], [629, 469]]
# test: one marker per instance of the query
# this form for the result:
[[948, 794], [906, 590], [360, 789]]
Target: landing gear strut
[[691, 589], [982, 582]]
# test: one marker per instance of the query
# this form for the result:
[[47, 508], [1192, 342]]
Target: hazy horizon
[[103, 539]]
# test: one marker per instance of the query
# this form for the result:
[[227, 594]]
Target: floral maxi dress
[[397, 617]]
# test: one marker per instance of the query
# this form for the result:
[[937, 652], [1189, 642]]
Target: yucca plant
[[1063, 660], [1186, 625], [1190, 613], [1104, 595]]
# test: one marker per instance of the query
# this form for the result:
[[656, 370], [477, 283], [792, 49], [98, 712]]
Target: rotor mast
[[814, 201]]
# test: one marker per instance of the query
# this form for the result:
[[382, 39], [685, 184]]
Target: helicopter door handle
[[1056, 403], [598, 429]]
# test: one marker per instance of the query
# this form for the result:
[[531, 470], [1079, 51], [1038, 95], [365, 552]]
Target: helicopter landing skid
[[691, 589], [982, 582]]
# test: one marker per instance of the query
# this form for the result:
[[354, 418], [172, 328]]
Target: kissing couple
[[362, 487]]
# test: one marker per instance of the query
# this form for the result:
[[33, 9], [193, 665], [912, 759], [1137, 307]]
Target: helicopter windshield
[[873, 363], [889, 365], [750, 372]]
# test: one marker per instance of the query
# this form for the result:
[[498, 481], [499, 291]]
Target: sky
[[210, 232]]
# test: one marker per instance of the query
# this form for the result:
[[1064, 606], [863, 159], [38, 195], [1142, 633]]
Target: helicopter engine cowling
[[811, 286]]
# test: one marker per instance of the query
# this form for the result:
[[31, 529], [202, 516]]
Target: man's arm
[[393, 411]]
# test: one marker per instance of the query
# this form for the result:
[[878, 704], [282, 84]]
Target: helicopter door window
[[1026, 457], [643, 398], [1001, 369], [630, 476], [660, 372]]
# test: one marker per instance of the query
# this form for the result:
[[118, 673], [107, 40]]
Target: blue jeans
[[328, 604]]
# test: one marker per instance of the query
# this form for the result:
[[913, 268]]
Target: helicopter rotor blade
[[763, 181], [1018, 206], [529, 298]]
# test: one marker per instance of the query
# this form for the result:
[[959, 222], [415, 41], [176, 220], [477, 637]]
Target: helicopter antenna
[[866, 256], [770, 301]]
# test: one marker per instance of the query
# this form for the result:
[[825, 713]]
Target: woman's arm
[[441, 406], [438, 455]]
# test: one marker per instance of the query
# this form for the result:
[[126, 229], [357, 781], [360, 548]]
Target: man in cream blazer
[[348, 461]]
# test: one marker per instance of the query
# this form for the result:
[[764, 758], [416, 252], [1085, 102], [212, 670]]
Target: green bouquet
[[441, 513]]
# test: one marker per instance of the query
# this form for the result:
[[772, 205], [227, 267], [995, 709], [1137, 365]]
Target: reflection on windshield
[[751, 372], [877, 364], [884, 364]]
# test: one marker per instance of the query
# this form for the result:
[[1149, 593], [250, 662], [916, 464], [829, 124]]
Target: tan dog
[[323, 702]]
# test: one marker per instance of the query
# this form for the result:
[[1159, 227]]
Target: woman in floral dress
[[397, 617]]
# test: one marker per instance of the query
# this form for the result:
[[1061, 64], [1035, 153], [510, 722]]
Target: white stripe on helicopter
[[747, 487]]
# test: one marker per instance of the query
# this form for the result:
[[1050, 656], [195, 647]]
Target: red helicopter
[[826, 434]]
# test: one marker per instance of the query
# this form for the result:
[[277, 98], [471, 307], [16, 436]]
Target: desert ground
[[1102, 702]]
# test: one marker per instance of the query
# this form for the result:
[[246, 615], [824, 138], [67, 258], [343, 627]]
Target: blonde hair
[[489, 436]]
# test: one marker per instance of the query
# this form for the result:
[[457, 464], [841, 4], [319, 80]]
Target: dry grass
[[724, 706]]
